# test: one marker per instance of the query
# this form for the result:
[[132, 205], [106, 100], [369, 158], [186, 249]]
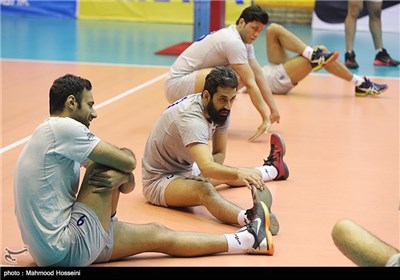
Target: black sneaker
[[368, 87], [350, 60], [319, 59], [266, 197], [275, 157], [382, 58], [259, 228]]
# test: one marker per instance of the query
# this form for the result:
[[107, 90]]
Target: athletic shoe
[[259, 228], [382, 58], [368, 87], [264, 196], [275, 157], [319, 59], [350, 60]]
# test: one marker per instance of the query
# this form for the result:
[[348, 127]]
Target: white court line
[[103, 104]]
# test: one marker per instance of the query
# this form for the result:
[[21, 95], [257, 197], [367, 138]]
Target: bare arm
[[121, 159], [219, 147], [247, 76], [265, 90], [117, 172], [221, 173]]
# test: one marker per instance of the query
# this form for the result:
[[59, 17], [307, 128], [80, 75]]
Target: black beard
[[215, 115]]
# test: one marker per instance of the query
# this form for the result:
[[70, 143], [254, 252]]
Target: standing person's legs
[[375, 23], [354, 8]]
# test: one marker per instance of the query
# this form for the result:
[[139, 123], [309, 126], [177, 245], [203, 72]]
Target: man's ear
[[207, 95], [71, 102]]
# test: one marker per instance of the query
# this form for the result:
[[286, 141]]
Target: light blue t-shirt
[[46, 184]]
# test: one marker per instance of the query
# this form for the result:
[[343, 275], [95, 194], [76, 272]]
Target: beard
[[218, 117]]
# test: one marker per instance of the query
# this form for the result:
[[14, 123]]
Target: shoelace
[[271, 156], [249, 215]]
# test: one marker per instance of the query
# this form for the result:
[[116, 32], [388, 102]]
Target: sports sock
[[240, 240], [242, 218], [268, 172], [378, 50], [195, 170], [307, 53], [357, 80]]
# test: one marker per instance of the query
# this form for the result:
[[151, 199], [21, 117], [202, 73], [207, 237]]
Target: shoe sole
[[266, 198], [327, 62], [352, 67], [268, 234], [363, 94]]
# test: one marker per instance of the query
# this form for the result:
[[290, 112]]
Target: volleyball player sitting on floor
[[179, 169], [284, 72]]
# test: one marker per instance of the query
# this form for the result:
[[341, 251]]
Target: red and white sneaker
[[275, 157]]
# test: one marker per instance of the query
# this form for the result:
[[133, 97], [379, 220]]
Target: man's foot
[[382, 58], [275, 157], [264, 196], [259, 228], [319, 59], [350, 60], [368, 87]]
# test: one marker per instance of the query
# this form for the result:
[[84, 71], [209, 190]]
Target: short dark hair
[[220, 76], [252, 13], [65, 86]]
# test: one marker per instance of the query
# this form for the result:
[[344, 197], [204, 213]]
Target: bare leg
[[103, 204], [354, 8], [183, 192], [297, 68], [200, 79], [280, 40], [359, 245], [131, 239], [375, 24]]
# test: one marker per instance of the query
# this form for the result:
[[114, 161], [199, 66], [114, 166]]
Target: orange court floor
[[342, 152]]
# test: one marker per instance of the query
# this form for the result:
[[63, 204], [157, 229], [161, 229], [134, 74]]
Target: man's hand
[[107, 179], [274, 117], [263, 128]]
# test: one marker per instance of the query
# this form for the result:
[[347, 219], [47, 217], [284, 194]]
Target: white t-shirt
[[219, 48], [181, 124]]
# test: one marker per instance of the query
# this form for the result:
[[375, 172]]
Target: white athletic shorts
[[178, 87], [154, 187], [89, 241], [277, 78], [394, 261]]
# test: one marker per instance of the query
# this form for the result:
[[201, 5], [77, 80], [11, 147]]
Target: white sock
[[307, 53], [242, 218], [195, 170], [357, 80], [240, 240], [268, 172], [378, 50]]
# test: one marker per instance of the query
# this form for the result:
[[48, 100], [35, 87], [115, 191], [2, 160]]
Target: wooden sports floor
[[342, 153]]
